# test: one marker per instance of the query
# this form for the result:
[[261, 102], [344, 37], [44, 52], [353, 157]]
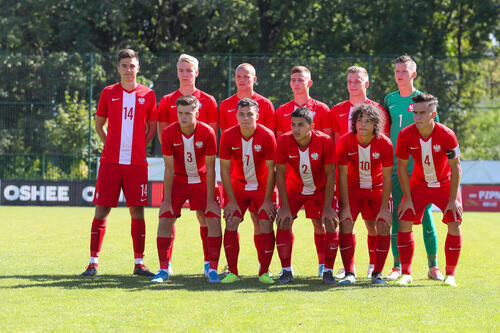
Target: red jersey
[[227, 112], [340, 116], [248, 156], [306, 166], [430, 155], [167, 110], [321, 115], [127, 113], [364, 163], [189, 152]]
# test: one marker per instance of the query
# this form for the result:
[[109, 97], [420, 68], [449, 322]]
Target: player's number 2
[[304, 169]]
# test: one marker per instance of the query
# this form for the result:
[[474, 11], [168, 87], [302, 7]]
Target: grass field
[[43, 251]]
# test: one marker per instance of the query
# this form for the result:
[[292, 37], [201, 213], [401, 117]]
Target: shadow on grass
[[246, 284]]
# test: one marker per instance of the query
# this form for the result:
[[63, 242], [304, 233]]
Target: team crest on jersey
[[375, 155], [410, 107], [437, 148], [314, 156], [141, 100], [199, 144], [257, 148]]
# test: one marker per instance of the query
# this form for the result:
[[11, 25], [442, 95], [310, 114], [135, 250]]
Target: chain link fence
[[48, 101]]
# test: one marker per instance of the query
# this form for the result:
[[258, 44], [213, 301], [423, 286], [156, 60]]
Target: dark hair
[[404, 59], [188, 100], [247, 102], [300, 69], [426, 98], [126, 53], [371, 112], [303, 112]]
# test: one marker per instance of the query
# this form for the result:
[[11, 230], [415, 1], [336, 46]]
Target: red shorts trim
[[251, 200], [313, 204], [195, 193], [112, 178], [365, 201], [423, 196]]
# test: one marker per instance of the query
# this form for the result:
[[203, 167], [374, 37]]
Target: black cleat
[[142, 270], [328, 278], [91, 270], [285, 278]]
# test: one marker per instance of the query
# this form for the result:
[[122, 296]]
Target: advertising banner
[[481, 198]]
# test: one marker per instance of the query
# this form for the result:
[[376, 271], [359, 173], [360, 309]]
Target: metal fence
[[48, 101]]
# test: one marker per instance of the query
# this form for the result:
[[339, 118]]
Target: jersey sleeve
[[325, 117], [102, 107], [281, 151], [211, 142], [225, 146], [270, 147], [334, 122], [152, 113], [268, 115], [402, 146], [330, 155], [341, 149], [387, 155], [166, 147], [222, 115], [163, 110], [279, 119], [212, 111]]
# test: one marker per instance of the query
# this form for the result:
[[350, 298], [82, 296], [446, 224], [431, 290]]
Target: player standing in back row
[[187, 72], [400, 107], [301, 82], [130, 109]]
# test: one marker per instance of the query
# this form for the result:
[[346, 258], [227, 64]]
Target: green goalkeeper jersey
[[400, 110]]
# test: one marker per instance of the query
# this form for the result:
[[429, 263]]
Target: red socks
[[284, 244], [319, 241], [204, 236], [213, 245], [172, 247], [232, 249], [347, 247], [452, 248], [266, 242], [164, 246], [381, 250], [372, 247], [331, 245], [406, 247], [96, 236], [138, 232]]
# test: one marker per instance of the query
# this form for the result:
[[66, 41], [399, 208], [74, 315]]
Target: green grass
[[43, 251]]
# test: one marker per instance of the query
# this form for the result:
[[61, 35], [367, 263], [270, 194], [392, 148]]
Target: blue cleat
[[206, 268], [213, 276], [378, 280], [160, 277], [321, 268]]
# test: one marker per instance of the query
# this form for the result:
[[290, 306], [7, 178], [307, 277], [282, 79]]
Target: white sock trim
[[94, 260], [139, 261]]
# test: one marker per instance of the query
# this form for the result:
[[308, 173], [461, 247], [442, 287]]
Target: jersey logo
[[292, 156], [375, 155], [115, 99], [315, 156], [437, 148], [235, 148], [173, 106], [287, 114], [231, 110], [413, 147], [257, 148], [350, 154], [410, 107], [141, 100], [177, 144], [199, 144]]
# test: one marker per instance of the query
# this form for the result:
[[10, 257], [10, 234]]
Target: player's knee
[[233, 223], [346, 226], [137, 212], [265, 226], [383, 229], [101, 212], [454, 228]]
